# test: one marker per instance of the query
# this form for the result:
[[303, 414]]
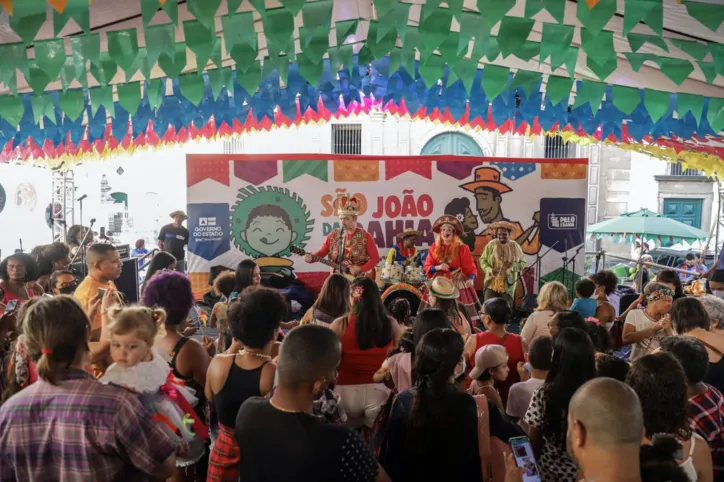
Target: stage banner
[[260, 206]]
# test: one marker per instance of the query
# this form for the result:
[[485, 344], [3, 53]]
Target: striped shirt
[[79, 430], [707, 420]]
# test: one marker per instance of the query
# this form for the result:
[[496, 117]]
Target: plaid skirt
[[224, 460]]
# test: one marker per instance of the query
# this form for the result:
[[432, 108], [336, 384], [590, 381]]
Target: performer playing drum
[[404, 252], [502, 261], [451, 258], [350, 245]]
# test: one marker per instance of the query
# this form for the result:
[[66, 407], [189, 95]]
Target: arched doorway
[[452, 143]]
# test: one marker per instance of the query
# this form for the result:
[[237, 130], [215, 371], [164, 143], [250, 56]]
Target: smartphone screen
[[525, 458], [195, 316], [101, 293], [11, 306]]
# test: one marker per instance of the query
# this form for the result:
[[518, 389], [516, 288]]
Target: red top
[[8, 296], [463, 260], [357, 366], [366, 261], [514, 346]]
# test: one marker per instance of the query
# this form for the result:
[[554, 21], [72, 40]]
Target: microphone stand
[[573, 260], [536, 264], [82, 247], [565, 264]]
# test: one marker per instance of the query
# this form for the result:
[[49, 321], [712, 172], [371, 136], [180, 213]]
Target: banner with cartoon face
[[263, 205]]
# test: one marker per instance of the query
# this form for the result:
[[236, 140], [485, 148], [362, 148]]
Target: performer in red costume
[[451, 258], [350, 245]]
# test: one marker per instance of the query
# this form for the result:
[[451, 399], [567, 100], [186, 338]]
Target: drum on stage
[[415, 275], [403, 290], [392, 274]]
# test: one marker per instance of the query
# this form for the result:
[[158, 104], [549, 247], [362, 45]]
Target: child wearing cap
[[491, 365]]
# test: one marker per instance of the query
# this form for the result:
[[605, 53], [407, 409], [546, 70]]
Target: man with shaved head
[[605, 429]]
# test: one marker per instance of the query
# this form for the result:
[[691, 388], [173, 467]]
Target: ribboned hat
[[441, 287], [407, 233], [488, 356]]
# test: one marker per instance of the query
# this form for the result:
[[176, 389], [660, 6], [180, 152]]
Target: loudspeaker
[[128, 281]]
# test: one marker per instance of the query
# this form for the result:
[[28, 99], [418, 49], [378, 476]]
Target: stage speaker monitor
[[128, 282]]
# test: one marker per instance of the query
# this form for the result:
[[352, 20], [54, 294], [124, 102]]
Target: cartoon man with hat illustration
[[404, 252], [488, 190]]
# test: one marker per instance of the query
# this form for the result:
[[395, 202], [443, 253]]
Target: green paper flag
[[85, 48], [78, 10], [381, 48], [555, 40], [200, 41], [527, 80], [709, 71], [383, 7], [690, 103], [72, 103], [709, 14], [513, 34], [395, 60], [590, 93], [558, 89], [626, 99], [456, 6], [676, 69], [314, 45], [495, 79], [346, 56], [637, 60], [294, 6], [449, 48], [14, 58], [466, 70], [150, 7], [11, 109], [173, 67], [715, 114], [278, 29], [603, 69], [470, 26], [38, 80], [636, 41], [434, 30], [386, 24], [317, 14], [192, 87], [282, 65], [310, 70], [528, 50], [50, 56], [717, 55], [129, 96], [102, 96], [220, 78], [67, 74], [431, 69], [233, 6], [42, 107], [594, 19], [492, 49], [123, 48], [557, 8], [402, 14], [104, 72], [364, 56], [493, 11], [27, 18], [156, 91], [293, 169], [160, 39], [250, 79], [344, 29], [239, 27], [204, 11], [569, 58], [650, 11], [598, 47], [697, 50], [657, 103]]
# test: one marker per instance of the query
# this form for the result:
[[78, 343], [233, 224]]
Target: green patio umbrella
[[646, 224]]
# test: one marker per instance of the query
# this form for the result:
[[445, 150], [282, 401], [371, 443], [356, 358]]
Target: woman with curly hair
[[367, 333], [553, 298], [51, 258], [18, 275], [660, 383], [606, 283]]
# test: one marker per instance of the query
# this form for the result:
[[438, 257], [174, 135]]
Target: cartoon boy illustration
[[265, 222]]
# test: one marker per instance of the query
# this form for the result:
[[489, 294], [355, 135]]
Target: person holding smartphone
[[104, 267]]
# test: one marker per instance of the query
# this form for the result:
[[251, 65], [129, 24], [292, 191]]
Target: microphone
[[82, 197], [93, 221]]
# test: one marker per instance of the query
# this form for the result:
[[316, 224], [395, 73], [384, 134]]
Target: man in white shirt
[[539, 358]]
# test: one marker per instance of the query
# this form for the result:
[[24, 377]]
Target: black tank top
[[240, 384], [189, 381], [715, 375]]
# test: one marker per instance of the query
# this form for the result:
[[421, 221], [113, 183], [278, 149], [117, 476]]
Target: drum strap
[[340, 247]]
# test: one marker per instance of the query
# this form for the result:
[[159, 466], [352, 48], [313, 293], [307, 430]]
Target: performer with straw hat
[[502, 261], [451, 258], [404, 252]]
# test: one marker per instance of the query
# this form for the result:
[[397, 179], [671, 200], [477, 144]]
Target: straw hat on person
[[451, 220], [178, 213], [443, 288], [407, 233], [502, 225]]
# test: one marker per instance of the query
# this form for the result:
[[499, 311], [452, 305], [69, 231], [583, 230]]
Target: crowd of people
[[96, 389]]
